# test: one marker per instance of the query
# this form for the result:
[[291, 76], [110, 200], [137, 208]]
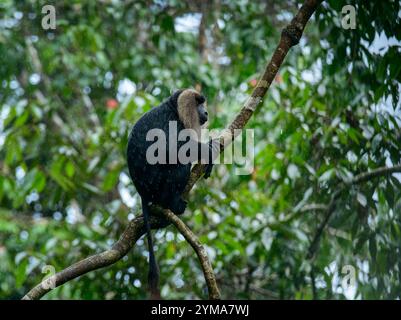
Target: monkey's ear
[[200, 99]]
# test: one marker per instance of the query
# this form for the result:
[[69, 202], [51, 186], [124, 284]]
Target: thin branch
[[202, 40], [363, 177], [313, 207], [366, 176], [289, 37], [271, 295], [313, 282], [214, 293]]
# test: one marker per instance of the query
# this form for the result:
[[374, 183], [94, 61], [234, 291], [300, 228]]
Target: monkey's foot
[[178, 206]]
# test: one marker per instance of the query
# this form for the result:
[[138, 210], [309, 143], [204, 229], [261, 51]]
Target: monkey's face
[[202, 113]]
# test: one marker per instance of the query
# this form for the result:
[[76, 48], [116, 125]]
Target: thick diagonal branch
[[290, 36]]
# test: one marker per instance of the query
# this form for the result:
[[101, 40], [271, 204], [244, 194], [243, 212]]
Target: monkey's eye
[[200, 99]]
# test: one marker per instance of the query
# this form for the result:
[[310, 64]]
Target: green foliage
[[69, 96]]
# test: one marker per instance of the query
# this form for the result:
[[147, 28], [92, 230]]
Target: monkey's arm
[[195, 151], [214, 151], [206, 153]]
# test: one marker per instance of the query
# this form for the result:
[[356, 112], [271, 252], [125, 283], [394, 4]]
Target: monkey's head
[[191, 109]]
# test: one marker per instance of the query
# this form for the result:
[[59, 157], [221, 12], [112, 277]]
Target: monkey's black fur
[[160, 184]]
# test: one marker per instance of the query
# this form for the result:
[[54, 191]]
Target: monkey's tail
[[153, 275]]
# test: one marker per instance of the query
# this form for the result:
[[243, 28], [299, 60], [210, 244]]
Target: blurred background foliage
[[69, 96]]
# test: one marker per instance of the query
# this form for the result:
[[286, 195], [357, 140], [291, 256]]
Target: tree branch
[[214, 293], [290, 36], [130, 236], [363, 177]]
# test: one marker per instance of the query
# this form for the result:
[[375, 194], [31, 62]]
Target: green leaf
[[111, 180], [20, 273], [69, 169]]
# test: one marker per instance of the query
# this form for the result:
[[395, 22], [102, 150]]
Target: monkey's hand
[[208, 170], [214, 148]]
